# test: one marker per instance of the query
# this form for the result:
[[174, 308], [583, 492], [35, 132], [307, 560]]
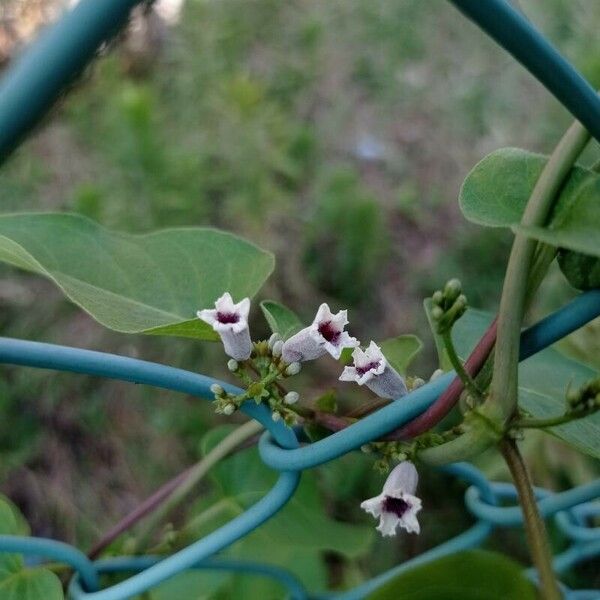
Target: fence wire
[[27, 92]]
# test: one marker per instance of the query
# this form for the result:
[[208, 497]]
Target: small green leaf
[[152, 283], [15, 580], [470, 575], [280, 318], [543, 382], [401, 351], [327, 402]]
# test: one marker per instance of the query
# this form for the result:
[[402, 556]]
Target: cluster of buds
[[448, 305], [586, 399]]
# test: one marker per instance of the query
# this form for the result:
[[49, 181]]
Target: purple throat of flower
[[369, 367], [329, 332], [227, 318], [397, 506]]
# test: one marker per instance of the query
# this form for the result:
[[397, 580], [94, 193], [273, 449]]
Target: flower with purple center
[[230, 321], [370, 368], [397, 506], [325, 335]]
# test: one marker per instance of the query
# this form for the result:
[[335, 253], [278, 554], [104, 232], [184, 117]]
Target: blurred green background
[[334, 133]]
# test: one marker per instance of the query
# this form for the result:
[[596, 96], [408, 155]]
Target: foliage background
[[336, 134]]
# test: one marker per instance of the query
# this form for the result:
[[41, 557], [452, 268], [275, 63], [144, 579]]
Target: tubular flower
[[326, 334], [230, 321], [397, 506], [370, 368]]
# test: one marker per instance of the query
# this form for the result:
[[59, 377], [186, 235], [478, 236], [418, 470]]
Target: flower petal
[[374, 506], [403, 479], [387, 524]]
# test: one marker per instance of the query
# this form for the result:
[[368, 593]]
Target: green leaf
[[401, 351], [15, 580], [295, 538], [497, 189], [327, 402], [576, 221], [151, 283], [471, 575], [281, 319], [543, 382]]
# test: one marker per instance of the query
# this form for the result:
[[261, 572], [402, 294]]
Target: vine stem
[[236, 440], [460, 369], [504, 389], [229, 443], [535, 529]]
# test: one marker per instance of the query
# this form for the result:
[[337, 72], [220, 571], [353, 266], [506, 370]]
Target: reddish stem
[[146, 507], [444, 404]]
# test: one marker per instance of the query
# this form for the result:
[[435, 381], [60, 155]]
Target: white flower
[[370, 368], [326, 334], [397, 506], [230, 321]]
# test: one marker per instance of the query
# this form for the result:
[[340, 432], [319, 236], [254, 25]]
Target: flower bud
[[276, 416], [452, 290], [216, 389], [293, 369], [291, 397], [437, 373], [437, 313], [233, 365], [277, 348], [274, 338], [228, 409], [437, 297]]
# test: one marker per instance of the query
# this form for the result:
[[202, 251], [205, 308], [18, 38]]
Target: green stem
[[551, 421], [467, 380], [503, 398], [535, 529], [220, 451]]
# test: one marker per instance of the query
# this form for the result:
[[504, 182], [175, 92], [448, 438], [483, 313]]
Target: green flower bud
[[437, 313], [452, 289], [437, 297]]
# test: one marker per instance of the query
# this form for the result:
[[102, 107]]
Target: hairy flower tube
[[397, 506], [370, 368], [325, 335], [230, 321]]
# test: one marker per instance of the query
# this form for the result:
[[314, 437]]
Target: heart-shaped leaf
[[470, 575], [151, 283], [496, 190], [401, 351]]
